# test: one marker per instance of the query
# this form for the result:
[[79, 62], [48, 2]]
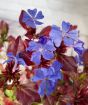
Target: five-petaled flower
[[16, 59], [68, 35], [48, 78], [31, 18], [43, 47], [79, 47]]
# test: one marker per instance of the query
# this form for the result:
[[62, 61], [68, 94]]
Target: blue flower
[[48, 78], [31, 18], [41, 48], [79, 47], [56, 35], [66, 34], [16, 59], [69, 36], [79, 60]]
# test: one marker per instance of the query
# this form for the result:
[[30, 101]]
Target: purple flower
[[31, 18], [79, 47], [56, 35], [48, 78], [41, 48], [16, 59], [67, 35], [79, 59]]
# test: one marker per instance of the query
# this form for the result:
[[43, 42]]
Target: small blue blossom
[[69, 36], [56, 35], [43, 48], [31, 18], [79, 47], [66, 34], [79, 60], [16, 58], [48, 78]]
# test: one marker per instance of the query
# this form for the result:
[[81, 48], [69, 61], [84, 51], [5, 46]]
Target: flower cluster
[[37, 70]]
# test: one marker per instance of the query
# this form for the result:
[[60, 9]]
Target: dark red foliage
[[16, 46], [23, 24], [73, 27], [30, 33], [61, 49], [27, 94], [82, 97], [4, 28], [50, 100], [45, 31], [68, 63], [26, 56], [85, 58]]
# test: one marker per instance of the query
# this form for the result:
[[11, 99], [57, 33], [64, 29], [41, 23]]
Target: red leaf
[[85, 58], [69, 63], [27, 94], [50, 100], [26, 56], [16, 46], [22, 23], [30, 33], [45, 31]]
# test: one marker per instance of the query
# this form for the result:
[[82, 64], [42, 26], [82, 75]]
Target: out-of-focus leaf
[[68, 63], [22, 23], [26, 56], [45, 31], [17, 46], [30, 33], [4, 28], [85, 58], [50, 100], [27, 94]]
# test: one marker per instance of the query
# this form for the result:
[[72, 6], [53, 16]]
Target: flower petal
[[49, 46], [32, 12], [21, 61], [57, 65], [56, 35], [33, 46], [50, 86], [39, 15], [38, 22], [65, 26], [30, 23], [36, 57], [79, 47], [26, 17], [68, 41], [41, 90], [47, 55], [40, 74], [73, 34]]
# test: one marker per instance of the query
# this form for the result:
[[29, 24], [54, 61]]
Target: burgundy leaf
[[27, 94], [30, 33], [62, 48], [85, 58], [16, 46], [26, 56], [23, 24], [50, 100], [45, 31], [68, 62]]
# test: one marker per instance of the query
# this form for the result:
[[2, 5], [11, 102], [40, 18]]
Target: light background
[[55, 11]]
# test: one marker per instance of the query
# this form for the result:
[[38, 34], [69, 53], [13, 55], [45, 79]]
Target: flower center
[[40, 49]]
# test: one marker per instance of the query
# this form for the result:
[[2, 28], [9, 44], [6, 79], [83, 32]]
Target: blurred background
[[55, 11]]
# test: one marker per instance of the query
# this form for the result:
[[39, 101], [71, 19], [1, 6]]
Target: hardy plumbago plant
[[36, 70]]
